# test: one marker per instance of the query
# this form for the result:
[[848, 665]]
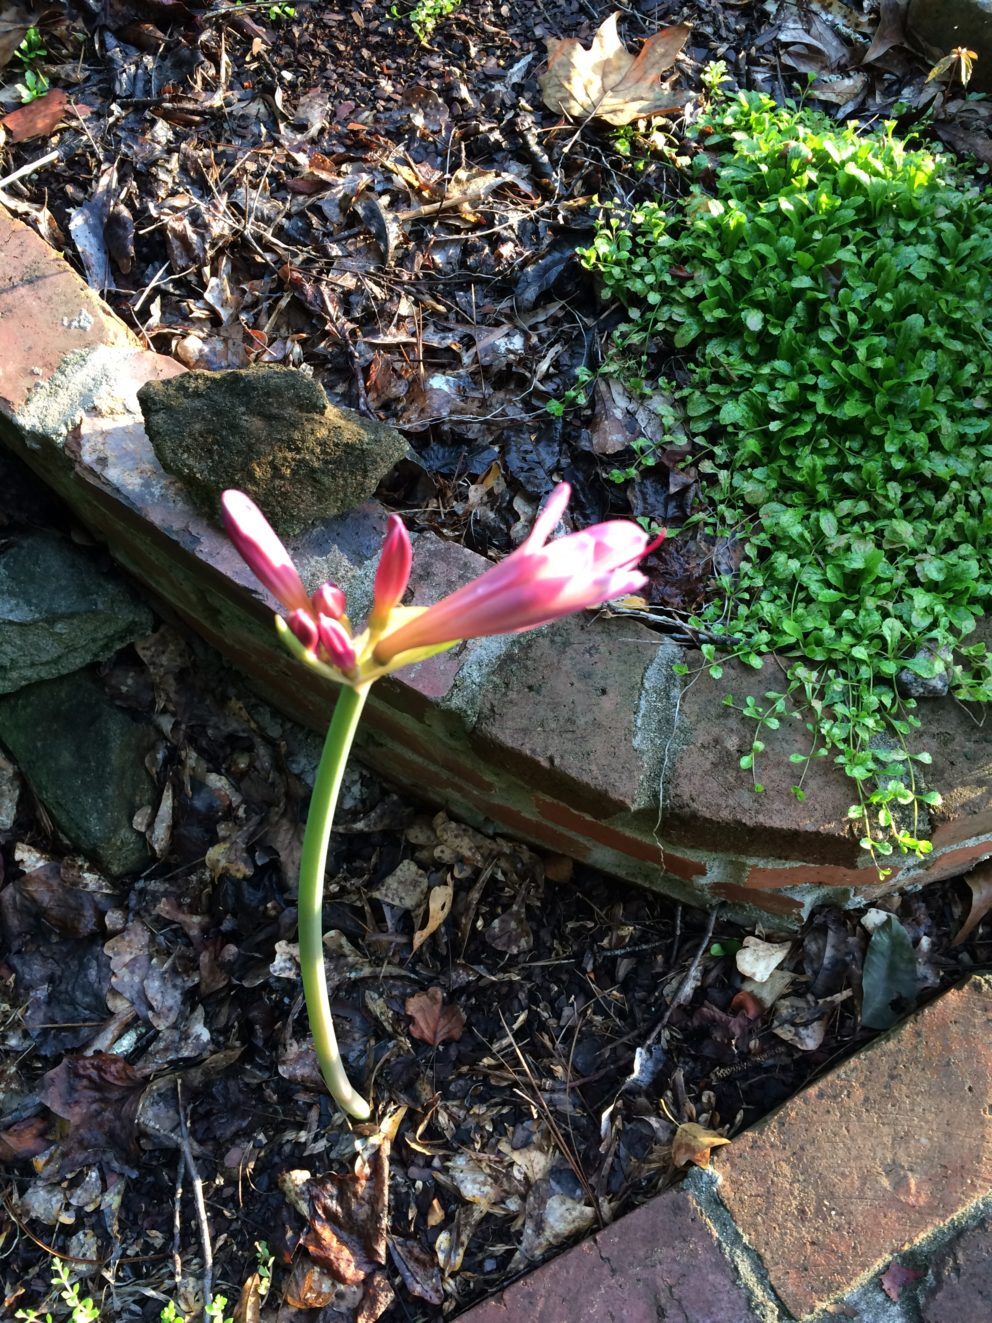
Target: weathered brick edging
[[578, 738], [887, 1159]]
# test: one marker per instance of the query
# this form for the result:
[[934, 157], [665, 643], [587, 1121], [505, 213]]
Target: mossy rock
[[271, 432]]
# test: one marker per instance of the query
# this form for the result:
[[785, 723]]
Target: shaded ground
[[529, 1058]]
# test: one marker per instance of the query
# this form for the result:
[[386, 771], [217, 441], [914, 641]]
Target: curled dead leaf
[[980, 882], [694, 1143], [606, 81], [438, 909]]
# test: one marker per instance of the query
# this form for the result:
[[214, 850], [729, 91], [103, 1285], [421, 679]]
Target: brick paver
[[879, 1153], [963, 1273], [660, 1262]]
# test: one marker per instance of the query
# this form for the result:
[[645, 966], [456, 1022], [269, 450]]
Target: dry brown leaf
[[758, 959], [438, 909], [980, 882], [38, 118], [693, 1143], [15, 19], [433, 1022], [606, 81]]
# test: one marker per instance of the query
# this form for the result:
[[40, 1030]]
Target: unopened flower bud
[[304, 627], [336, 642], [393, 574], [329, 600]]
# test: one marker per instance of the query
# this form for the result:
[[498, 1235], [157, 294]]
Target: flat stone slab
[[579, 738], [58, 612], [84, 758]]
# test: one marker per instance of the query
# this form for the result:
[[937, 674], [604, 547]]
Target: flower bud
[[393, 574], [329, 600], [336, 642], [304, 627]]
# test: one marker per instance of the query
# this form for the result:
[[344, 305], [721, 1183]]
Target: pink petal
[[262, 551], [393, 574]]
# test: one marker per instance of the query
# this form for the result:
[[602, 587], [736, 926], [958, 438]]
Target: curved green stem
[[313, 861]]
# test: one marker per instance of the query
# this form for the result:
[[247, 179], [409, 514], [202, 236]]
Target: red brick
[[763, 900], [635, 847], [884, 1150], [559, 711], [963, 1273], [660, 1262], [46, 312]]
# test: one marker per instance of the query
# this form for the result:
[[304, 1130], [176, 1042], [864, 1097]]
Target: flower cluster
[[535, 584]]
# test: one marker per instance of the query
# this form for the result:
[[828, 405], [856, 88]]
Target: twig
[[29, 168], [690, 973], [198, 1203], [567, 1153]]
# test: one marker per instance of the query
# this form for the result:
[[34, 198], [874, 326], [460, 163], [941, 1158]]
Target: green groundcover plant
[[829, 292]]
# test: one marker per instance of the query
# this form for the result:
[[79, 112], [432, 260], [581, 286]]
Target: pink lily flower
[[537, 583]]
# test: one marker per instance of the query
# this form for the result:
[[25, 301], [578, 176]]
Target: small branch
[[198, 1202], [689, 975]]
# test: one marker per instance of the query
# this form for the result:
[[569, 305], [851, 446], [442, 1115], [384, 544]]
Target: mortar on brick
[[703, 1184], [86, 381], [658, 734]]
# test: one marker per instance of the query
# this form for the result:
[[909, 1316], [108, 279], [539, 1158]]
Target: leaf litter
[[403, 223]]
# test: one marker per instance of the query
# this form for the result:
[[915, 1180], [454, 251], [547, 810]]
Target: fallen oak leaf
[[980, 882], [693, 1143], [606, 81], [432, 1021]]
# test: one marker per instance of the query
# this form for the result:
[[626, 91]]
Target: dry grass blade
[[606, 81]]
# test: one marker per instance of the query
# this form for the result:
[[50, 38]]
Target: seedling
[[29, 53], [426, 15]]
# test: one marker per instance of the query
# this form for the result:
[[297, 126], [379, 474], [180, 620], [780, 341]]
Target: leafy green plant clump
[[426, 15], [830, 292]]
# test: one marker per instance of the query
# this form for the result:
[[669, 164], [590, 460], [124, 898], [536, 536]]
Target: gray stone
[[59, 612], [272, 433], [938, 685], [944, 24], [84, 758]]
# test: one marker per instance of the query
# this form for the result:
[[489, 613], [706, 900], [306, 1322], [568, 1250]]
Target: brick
[[881, 1152], [769, 901], [559, 711], [46, 312], [634, 847], [963, 1274], [660, 1262]]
